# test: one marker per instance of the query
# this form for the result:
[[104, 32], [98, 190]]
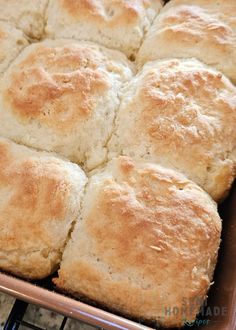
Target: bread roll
[[27, 15], [12, 41], [39, 199], [62, 96], [147, 242], [181, 114], [119, 24], [204, 29]]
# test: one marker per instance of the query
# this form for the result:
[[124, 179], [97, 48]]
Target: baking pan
[[218, 312]]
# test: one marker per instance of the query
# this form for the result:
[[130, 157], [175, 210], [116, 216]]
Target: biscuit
[[119, 24], [62, 96], [204, 29], [146, 243], [181, 114], [26, 15], [12, 41], [39, 199]]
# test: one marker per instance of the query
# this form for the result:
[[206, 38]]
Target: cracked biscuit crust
[[39, 199], [57, 92], [181, 114], [118, 24], [148, 240]]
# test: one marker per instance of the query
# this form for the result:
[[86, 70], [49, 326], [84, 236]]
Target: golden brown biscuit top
[[193, 103], [214, 19], [112, 13], [147, 238], [34, 198], [58, 86], [147, 214], [186, 105], [189, 23], [203, 29]]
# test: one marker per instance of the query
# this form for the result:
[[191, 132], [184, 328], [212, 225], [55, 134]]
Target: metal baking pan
[[219, 312]]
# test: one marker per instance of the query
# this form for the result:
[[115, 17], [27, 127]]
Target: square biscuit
[[147, 242]]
